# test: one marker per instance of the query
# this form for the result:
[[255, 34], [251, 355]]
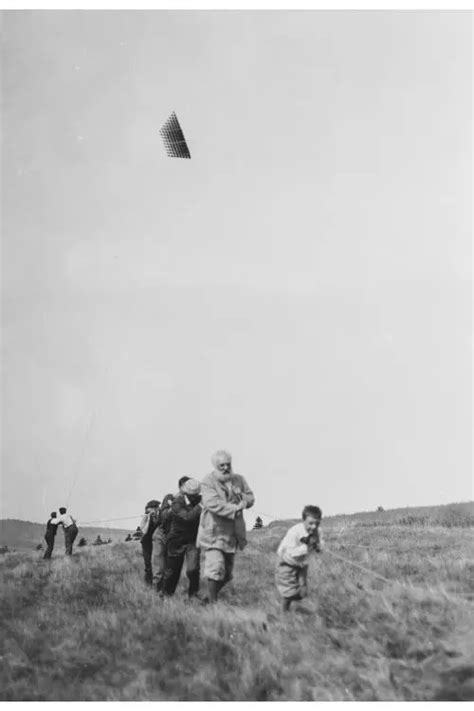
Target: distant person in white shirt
[[300, 542], [70, 528]]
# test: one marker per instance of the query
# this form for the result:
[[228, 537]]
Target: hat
[[191, 487], [153, 504]]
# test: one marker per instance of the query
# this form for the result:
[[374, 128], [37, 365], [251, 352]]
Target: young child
[[300, 542], [148, 525]]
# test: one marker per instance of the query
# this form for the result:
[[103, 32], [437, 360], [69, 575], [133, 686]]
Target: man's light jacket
[[222, 524]]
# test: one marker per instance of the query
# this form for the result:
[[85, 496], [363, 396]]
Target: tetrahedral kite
[[173, 138]]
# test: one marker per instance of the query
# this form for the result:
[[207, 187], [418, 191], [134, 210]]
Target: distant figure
[[225, 495], [148, 525], [50, 535], [137, 535], [299, 543], [181, 539], [70, 528], [98, 541], [258, 523], [128, 538], [158, 559]]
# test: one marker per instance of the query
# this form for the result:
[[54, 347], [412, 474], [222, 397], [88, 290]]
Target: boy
[[148, 525], [294, 551]]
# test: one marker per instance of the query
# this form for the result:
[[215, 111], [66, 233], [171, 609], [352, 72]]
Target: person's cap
[[153, 504], [191, 487]]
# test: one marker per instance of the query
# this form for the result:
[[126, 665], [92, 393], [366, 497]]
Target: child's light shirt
[[291, 550]]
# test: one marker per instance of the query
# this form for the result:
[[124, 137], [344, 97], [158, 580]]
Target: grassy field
[[86, 628]]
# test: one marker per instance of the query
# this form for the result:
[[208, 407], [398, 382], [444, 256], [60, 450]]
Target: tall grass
[[86, 628]]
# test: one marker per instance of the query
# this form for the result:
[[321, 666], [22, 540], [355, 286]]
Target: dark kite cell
[[173, 138]]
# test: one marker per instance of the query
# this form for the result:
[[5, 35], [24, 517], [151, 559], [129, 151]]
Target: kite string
[[80, 458], [107, 520], [392, 581], [361, 567]]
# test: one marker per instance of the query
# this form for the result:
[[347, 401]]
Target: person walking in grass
[[50, 535], [294, 552], [148, 526], [158, 560], [181, 539], [225, 495], [70, 528]]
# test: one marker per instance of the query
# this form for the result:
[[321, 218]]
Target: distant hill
[[25, 535]]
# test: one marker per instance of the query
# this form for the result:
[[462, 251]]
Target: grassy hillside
[[25, 535], [86, 628]]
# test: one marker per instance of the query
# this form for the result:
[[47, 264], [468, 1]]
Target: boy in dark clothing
[[159, 542], [148, 525], [50, 535], [181, 539]]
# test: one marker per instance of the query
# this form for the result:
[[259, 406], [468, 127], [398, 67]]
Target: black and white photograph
[[236, 355]]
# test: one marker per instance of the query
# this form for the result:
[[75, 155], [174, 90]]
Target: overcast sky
[[298, 292]]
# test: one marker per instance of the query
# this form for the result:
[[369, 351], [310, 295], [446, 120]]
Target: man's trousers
[[174, 565], [49, 538], [70, 534], [147, 548], [158, 560]]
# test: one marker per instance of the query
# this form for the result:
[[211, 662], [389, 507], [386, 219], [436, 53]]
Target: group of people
[[205, 519], [70, 531], [202, 519]]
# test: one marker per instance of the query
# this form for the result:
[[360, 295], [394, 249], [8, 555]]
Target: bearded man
[[225, 495]]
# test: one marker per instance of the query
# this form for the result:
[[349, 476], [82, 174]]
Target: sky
[[299, 292]]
